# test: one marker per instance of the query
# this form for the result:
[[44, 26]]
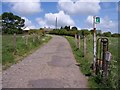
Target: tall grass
[[22, 49], [85, 62], [0, 49]]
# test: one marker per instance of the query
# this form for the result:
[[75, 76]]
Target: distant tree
[[85, 32], [12, 23], [107, 34], [0, 17], [67, 28], [41, 29], [91, 31], [74, 28], [61, 27], [0, 20], [115, 35], [0, 24]]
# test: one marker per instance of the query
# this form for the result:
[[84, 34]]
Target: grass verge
[[22, 50], [85, 62]]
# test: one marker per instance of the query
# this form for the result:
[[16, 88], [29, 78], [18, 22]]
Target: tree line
[[13, 24], [66, 30]]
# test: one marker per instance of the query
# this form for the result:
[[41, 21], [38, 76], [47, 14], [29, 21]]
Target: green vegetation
[[0, 49], [14, 49], [12, 23], [22, 49], [113, 47], [85, 62], [69, 32], [72, 31], [115, 35], [107, 34], [63, 32], [25, 44]]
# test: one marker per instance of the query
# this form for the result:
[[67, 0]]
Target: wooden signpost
[[96, 20]]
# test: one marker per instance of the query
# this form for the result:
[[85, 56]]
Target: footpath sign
[[97, 20]]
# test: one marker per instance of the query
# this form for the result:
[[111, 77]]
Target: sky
[[68, 12]]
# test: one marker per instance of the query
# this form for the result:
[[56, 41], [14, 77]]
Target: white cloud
[[50, 18], [79, 7], [20, 0], [26, 8], [41, 22], [78, 28], [105, 24], [28, 23]]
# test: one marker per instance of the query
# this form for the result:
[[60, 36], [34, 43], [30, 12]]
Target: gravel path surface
[[51, 66]]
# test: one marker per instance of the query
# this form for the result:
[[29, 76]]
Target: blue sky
[[79, 14]]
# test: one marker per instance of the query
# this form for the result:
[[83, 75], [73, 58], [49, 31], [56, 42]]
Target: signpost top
[[97, 20]]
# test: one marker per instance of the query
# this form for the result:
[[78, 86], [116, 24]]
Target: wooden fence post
[[14, 42], [79, 41], [76, 39], [38, 37], [26, 40], [33, 37], [85, 45]]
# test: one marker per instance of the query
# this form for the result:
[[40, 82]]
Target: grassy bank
[[85, 62], [9, 56], [0, 49]]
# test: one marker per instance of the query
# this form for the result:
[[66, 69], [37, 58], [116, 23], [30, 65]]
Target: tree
[[0, 23], [115, 35], [74, 28], [85, 32], [67, 28], [107, 34], [92, 31], [11, 23], [61, 27]]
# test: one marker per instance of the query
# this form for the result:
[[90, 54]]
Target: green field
[[85, 62], [11, 55]]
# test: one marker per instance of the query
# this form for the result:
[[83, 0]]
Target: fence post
[[84, 45], [38, 37], [105, 48], [79, 41], [26, 39], [33, 37], [76, 39], [14, 42]]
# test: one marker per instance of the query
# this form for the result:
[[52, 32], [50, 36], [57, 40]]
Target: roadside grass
[[114, 49], [0, 49], [85, 62], [22, 50]]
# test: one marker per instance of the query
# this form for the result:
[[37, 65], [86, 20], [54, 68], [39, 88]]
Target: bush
[[39, 32], [63, 32], [107, 34], [115, 35]]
